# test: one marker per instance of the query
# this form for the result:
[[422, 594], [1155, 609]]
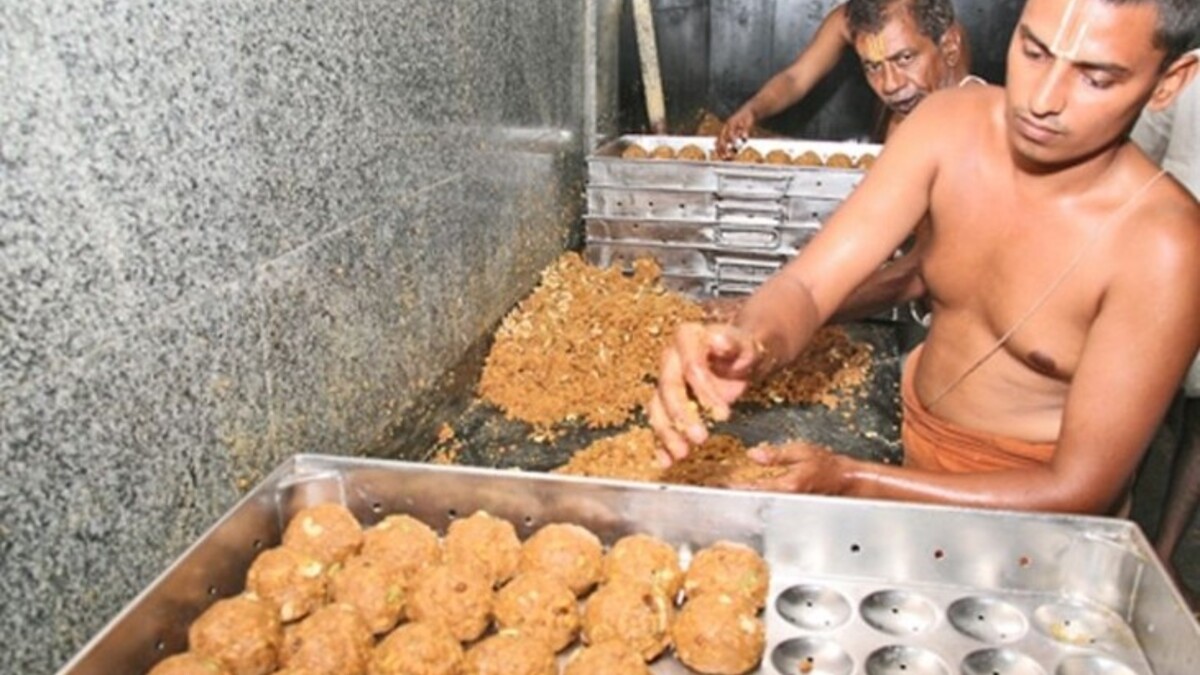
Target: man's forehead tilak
[[875, 47], [1072, 30]]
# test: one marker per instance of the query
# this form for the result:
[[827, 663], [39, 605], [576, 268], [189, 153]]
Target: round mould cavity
[[1078, 625], [811, 656], [1000, 662], [987, 619], [1092, 665], [900, 660], [813, 607], [898, 612]]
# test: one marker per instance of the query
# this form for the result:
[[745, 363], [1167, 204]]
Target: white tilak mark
[[1064, 34]]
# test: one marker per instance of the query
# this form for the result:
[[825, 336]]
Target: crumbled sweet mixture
[[585, 347], [827, 372], [633, 455]]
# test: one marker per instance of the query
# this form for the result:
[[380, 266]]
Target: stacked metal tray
[[858, 587], [716, 227]]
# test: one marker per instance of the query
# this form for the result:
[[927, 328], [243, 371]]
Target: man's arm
[[861, 235], [791, 84], [897, 282]]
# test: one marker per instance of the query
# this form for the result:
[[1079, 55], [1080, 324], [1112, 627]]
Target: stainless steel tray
[[858, 586], [606, 168], [698, 270], [715, 228]]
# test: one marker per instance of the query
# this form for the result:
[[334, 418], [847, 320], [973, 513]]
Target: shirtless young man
[[908, 48], [1061, 266]]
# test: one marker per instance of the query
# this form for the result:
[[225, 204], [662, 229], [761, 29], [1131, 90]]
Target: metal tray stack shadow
[[717, 228], [858, 587]]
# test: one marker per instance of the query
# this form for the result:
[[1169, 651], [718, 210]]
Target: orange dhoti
[[933, 444]]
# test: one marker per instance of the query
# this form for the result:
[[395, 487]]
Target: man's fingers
[[693, 344], [677, 405], [712, 390], [665, 428]]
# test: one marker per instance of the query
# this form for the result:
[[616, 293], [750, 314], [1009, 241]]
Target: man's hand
[[811, 469], [735, 131], [709, 365]]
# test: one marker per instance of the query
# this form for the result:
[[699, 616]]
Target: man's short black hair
[[1178, 25], [933, 17]]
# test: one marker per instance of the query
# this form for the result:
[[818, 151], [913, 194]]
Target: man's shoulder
[[960, 110], [1162, 232]]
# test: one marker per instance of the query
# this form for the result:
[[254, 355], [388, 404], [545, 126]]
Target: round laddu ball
[[865, 161], [328, 532], [291, 579], [778, 157], [335, 640], [540, 606], [510, 652], [607, 658], [808, 158], [663, 152], [692, 153], [718, 635], [729, 568], [634, 612], [189, 663], [749, 156], [634, 151], [298, 670], [418, 648], [405, 542], [243, 633], [373, 586], [492, 542], [839, 160], [458, 594], [569, 552], [646, 558]]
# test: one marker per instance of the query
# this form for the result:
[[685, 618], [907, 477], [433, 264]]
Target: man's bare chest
[[1031, 278]]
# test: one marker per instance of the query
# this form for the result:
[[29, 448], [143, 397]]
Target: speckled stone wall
[[232, 230]]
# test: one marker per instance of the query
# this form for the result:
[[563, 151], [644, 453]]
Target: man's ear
[[951, 45], [1173, 80]]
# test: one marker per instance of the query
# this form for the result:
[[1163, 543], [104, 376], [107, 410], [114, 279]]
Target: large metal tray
[[858, 586]]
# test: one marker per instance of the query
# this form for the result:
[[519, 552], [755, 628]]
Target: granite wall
[[233, 230]]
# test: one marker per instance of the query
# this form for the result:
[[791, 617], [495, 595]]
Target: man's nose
[[1050, 91], [893, 78]]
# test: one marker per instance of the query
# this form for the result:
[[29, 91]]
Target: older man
[[1061, 264], [908, 48]]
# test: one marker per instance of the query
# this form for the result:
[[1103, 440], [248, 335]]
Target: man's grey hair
[[933, 17]]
